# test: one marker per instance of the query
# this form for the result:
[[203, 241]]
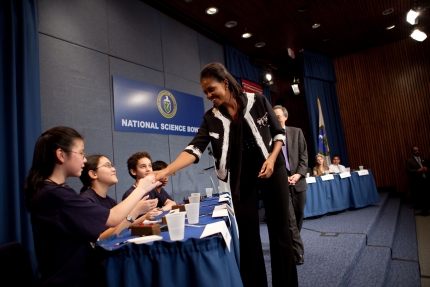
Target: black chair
[[15, 266]]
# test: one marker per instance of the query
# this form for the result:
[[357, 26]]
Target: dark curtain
[[320, 82], [20, 114], [239, 66]]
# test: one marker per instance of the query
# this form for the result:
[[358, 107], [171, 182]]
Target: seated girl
[[320, 166], [97, 176]]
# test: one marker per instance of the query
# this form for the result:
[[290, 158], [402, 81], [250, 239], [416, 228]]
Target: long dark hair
[[218, 72], [44, 158], [91, 164]]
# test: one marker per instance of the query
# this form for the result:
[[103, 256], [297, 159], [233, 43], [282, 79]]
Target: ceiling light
[[412, 17], [246, 35], [211, 10], [231, 24], [316, 25], [295, 86], [390, 27], [418, 35], [268, 76], [260, 44], [303, 9], [388, 11]]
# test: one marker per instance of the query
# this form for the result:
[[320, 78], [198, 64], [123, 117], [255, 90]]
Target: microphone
[[210, 151]]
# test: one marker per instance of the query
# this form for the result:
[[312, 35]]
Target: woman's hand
[[148, 183], [160, 175], [267, 169]]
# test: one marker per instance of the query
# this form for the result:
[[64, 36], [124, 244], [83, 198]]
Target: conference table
[[355, 191], [193, 261]]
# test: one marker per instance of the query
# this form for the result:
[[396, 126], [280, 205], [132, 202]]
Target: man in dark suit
[[296, 155], [419, 180]]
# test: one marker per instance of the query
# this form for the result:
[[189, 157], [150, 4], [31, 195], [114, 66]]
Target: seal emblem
[[166, 104]]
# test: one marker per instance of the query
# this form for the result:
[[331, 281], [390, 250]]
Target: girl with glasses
[[97, 176], [64, 223]]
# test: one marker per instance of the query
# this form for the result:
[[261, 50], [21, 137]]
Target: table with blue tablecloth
[[340, 193], [193, 261]]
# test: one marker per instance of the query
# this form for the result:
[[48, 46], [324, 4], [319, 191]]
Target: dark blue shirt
[[64, 225], [107, 201], [162, 196]]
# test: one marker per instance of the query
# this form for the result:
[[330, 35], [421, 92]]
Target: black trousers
[[275, 195], [298, 200]]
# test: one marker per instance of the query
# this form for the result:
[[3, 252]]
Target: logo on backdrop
[[166, 104]]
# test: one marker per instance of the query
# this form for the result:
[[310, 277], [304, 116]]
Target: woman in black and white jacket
[[246, 138]]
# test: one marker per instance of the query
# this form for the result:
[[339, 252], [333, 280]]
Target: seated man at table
[[165, 201], [336, 167]]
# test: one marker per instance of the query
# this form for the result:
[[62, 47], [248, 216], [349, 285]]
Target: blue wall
[[83, 43]]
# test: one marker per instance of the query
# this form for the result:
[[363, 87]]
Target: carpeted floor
[[371, 246]]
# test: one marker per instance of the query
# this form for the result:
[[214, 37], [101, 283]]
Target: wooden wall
[[384, 100]]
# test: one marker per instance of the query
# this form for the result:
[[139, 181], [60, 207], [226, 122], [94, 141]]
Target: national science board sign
[[145, 108]]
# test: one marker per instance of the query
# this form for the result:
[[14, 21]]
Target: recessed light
[[231, 24], [246, 35], [388, 11], [211, 10], [260, 44], [303, 9], [326, 39], [390, 27], [316, 25]]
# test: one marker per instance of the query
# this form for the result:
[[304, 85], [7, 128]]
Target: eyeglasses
[[108, 165], [81, 153]]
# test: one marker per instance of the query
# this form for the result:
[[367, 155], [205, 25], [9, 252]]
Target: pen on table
[[120, 243]]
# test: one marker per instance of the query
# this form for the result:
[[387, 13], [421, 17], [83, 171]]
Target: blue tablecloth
[[189, 262], [339, 194]]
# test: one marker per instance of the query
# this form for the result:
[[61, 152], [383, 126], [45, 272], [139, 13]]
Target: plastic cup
[[192, 210], [196, 194], [194, 199], [176, 225], [209, 191], [307, 174], [327, 172], [348, 169], [360, 167]]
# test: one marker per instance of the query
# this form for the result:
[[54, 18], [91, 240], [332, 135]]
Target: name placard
[[327, 177], [146, 108], [311, 179], [363, 172], [345, 174]]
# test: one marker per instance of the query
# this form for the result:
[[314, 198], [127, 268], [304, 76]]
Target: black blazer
[[297, 155], [216, 129], [412, 167]]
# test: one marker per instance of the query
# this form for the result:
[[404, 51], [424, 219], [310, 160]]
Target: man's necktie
[[285, 151]]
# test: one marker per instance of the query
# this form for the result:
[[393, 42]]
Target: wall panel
[[385, 107]]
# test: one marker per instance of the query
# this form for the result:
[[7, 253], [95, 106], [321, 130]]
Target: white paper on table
[[225, 206], [363, 172], [218, 227], [221, 212], [225, 196], [145, 239], [223, 199], [311, 179], [327, 177], [345, 174]]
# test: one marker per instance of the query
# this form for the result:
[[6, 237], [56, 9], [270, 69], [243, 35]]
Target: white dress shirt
[[336, 168]]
